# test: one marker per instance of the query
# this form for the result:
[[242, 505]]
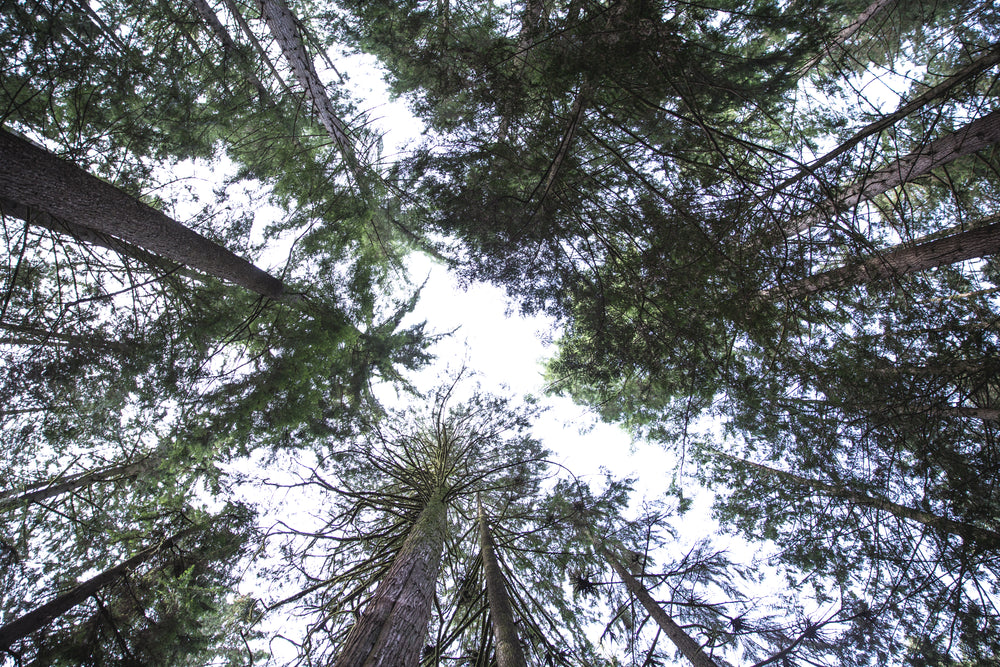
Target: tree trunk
[[34, 178], [282, 24], [44, 337], [688, 647], [391, 630], [40, 617], [975, 136], [877, 7], [899, 261], [983, 536], [508, 647], [52, 488], [984, 62], [229, 48]]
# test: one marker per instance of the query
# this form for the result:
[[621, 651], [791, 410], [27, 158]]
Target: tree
[[34, 178]]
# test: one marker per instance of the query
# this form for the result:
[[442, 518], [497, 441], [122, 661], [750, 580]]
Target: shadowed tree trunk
[[983, 536], [41, 617], [51, 488], [508, 647], [899, 261], [981, 64], [34, 178], [977, 135], [282, 24], [229, 48], [391, 630], [877, 7], [688, 647]]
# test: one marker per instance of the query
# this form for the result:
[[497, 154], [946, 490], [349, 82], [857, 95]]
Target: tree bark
[[508, 646], [282, 23], [977, 135], [983, 536], [36, 179], [877, 7], [688, 647], [40, 617], [899, 261], [229, 48], [50, 489], [391, 630], [984, 62]]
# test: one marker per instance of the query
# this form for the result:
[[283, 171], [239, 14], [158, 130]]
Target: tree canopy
[[766, 236]]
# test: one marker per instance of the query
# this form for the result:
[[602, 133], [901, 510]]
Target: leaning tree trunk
[[391, 630], [508, 647], [53, 488], [229, 47], [283, 25], [977, 135], [688, 647], [983, 536], [899, 261], [877, 7], [959, 77], [39, 618], [33, 178]]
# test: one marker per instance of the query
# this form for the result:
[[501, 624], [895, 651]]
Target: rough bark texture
[[282, 24], [981, 64], [43, 491], [900, 261], [391, 630], [688, 647], [32, 177], [975, 136], [983, 536], [508, 647], [229, 48], [40, 617]]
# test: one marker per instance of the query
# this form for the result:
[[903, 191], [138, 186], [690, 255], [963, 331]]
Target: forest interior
[[760, 238]]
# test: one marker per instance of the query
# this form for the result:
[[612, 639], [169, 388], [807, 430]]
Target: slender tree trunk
[[283, 25], [50, 489], [39, 336], [40, 617], [977, 135], [983, 536], [877, 7], [688, 647], [391, 630], [508, 647], [981, 64], [899, 261], [229, 48], [36, 179]]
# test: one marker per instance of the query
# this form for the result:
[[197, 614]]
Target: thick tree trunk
[[50, 489], [391, 630], [981, 64], [983, 536], [508, 647], [282, 24], [975, 136], [688, 647], [33, 178], [900, 261], [39, 618]]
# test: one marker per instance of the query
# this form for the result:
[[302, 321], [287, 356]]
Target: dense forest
[[765, 231]]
